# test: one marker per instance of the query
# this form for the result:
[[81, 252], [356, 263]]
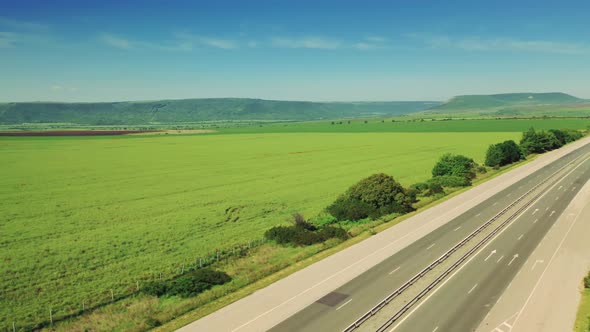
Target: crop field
[[413, 125], [85, 219]]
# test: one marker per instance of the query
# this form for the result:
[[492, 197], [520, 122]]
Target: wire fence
[[100, 298]]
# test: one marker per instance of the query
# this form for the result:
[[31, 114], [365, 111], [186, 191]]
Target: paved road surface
[[384, 260]]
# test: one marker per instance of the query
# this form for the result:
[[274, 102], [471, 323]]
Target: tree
[[538, 141], [494, 156], [377, 195], [454, 165], [503, 153]]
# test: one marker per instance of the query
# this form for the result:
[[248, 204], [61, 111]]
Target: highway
[[465, 297]]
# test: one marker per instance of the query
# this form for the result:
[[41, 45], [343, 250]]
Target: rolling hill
[[198, 110], [502, 103]]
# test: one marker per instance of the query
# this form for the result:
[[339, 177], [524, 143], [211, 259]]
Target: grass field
[[84, 216], [583, 316], [412, 125]]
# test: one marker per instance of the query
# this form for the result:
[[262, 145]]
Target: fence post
[[112, 295]]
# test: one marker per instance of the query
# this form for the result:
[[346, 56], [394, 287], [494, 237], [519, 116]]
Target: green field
[[81, 216], [404, 125]]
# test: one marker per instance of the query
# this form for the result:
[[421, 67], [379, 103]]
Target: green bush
[[503, 153], [188, 284], [303, 237], [454, 165], [538, 141], [372, 197], [587, 281], [346, 208], [450, 181]]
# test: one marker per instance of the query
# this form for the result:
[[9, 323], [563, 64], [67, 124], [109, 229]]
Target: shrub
[[481, 169], [450, 181], [503, 153], [345, 208], [587, 281], [188, 284], [454, 165], [538, 141], [300, 222], [303, 237], [434, 188]]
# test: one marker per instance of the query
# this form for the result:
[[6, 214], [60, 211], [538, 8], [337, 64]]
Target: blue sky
[[294, 50]]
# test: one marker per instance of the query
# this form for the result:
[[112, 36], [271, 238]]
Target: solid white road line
[[472, 288], [392, 272], [345, 303]]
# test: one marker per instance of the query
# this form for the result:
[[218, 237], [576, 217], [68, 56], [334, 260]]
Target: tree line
[[381, 195]]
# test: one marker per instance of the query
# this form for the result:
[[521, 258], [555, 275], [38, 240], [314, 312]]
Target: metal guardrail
[[446, 255]]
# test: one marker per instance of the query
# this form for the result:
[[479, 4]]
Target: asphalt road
[[464, 300]]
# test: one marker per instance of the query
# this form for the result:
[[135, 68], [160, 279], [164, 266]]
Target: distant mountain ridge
[[497, 101], [198, 110]]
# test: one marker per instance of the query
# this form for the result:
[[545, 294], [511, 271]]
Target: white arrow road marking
[[490, 255], [535, 211], [392, 272], [345, 303], [499, 259], [513, 258], [472, 288], [552, 212], [538, 261]]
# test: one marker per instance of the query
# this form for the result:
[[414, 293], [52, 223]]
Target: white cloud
[[502, 44], [22, 25], [116, 41], [306, 42], [225, 44], [376, 39]]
